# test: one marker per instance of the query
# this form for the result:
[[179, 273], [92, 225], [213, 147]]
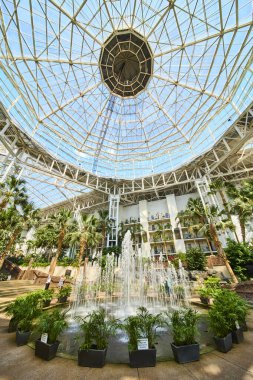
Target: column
[[172, 207], [143, 212]]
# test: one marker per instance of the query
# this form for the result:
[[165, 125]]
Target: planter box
[[142, 358], [92, 358], [12, 325], [244, 326], [205, 300], [237, 336], [185, 354], [46, 351], [223, 344], [22, 337], [63, 299]]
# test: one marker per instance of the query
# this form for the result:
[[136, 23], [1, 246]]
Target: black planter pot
[[46, 303], [205, 300], [244, 326], [46, 351], [62, 299], [185, 354], [91, 358], [22, 337], [142, 358], [237, 336], [12, 325], [223, 344]]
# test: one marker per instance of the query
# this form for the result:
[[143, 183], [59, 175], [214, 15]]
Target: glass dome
[[127, 88]]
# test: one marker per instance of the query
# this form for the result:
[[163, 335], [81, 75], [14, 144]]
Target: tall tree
[[20, 221], [162, 233], [219, 186], [62, 222], [86, 235], [242, 203], [205, 221], [104, 224], [13, 193]]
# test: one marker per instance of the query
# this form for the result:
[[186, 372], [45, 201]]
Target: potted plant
[[96, 329], [23, 331], [141, 331], [209, 289], [46, 297], [64, 293], [220, 324], [52, 324], [184, 328], [226, 314], [28, 306]]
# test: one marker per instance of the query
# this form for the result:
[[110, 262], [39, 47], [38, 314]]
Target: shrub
[[65, 291], [239, 255], [142, 325], [25, 308], [195, 259], [52, 323], [210, 287], [96, 329], [184, 326], [227, 309]]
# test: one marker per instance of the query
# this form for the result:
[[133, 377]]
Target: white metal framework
[[72, 137], [112, 237], [51, 83]]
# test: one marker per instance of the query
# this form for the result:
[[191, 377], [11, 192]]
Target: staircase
[[10, 290]]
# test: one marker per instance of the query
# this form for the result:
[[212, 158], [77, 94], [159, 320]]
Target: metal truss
[[49, 56], [226, 159]]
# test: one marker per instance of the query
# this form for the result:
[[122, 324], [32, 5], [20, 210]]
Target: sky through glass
[[51, 82]]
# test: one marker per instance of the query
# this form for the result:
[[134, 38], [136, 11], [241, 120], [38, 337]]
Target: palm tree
[[217, 186], [242, 203], [104, 224], [204, 220], [162, 235], [13, 193], [62, 222], [19, 221], [87, 234]]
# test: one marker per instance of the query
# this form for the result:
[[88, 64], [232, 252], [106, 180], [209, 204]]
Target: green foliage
[[239, 255], [109, 250], [210, 287], [47, 295], [227, 308], [25, 309], [96, 329], [53, 323], [184, 326], [65, 291], [142, 325], [3, 277], [195, 259]]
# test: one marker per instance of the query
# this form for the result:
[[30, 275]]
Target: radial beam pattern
[[200, 79]]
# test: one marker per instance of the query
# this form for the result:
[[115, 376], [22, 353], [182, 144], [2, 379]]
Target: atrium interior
[[126, 168]]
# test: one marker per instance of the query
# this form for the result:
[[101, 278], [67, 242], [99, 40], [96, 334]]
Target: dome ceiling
[[126, 88]]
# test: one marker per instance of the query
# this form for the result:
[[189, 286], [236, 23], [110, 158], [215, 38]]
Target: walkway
[[19, 363]]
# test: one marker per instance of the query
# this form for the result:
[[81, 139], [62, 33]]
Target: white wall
[[159, 206], [182, 200], [128, 212]]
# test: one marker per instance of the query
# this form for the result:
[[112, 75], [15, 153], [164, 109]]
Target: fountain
[[122, 284]]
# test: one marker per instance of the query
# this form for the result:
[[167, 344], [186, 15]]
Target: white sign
[[44, 337], [142, 344], [237, 325]]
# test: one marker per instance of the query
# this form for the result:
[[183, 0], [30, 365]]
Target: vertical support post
[[112, 237]]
